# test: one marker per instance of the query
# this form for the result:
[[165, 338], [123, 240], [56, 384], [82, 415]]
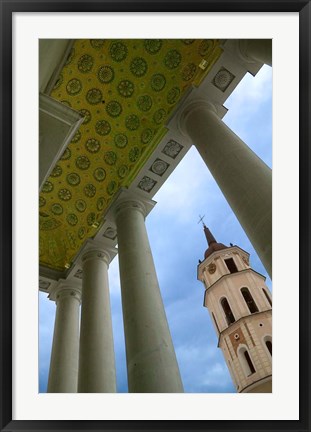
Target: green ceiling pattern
[[125, 90]]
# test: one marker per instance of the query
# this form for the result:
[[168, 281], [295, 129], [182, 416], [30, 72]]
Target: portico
[[119, 220]]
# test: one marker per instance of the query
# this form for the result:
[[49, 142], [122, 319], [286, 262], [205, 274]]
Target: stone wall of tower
[[249, 334], [248, 330]]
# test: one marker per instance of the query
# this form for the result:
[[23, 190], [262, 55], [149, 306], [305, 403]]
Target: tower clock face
[[211, 268]]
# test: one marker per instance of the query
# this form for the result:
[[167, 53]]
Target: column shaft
[[63, 375], [244, 179], [151, 361], [97, 372]]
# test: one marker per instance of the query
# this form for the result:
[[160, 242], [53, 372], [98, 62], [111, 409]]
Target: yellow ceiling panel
[[125, 90]]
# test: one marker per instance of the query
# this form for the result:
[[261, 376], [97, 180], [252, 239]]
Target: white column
[[151, 361], [97, 373], [244, 179], [259, 50], [63, 375]]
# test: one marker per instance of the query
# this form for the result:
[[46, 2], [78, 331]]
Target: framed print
[[150, 116]]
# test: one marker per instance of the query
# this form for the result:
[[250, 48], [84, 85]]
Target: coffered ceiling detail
[[125, 90]]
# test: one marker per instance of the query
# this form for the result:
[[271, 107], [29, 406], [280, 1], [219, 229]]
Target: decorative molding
[[127, 204], [126, 200], [96, 254], [59, 111], [212, 268], [65, 289], [239, 322], [58, 123], [44, 285], [172, 149], [189, 107], [159, 167], [242, 48], [146, 184], [110, 233], [250, 270], [101, 249], [223, 79], [51, 274], [78, 274]]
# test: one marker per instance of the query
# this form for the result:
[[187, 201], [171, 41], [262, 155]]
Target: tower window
[[269, 346], [249, 362], [268, 343], [267, 297], [231, 265], [249, 300], [228, 312], [246, 362]]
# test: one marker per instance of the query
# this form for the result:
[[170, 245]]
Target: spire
[[213, 245], [209, 236]]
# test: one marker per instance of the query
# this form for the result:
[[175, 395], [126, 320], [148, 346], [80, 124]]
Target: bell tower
[[240, 307]]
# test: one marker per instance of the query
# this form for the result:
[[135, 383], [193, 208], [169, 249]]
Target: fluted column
[[151, 361], [259, 50], [97, 373], [244, 179], [63, 374]]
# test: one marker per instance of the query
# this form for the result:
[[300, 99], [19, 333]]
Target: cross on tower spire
[[201, 219]]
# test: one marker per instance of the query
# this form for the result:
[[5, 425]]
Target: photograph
[[155, 180]]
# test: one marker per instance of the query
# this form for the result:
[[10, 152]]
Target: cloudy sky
[[178, 242]]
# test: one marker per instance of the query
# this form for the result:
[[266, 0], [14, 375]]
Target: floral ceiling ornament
[[124, 90]]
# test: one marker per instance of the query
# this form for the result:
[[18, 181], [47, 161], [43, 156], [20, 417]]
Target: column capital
[[65, 289], [255, 50], [97, 254], [128, 199], [130, 203], [242, 48], [100, 250], [189, 108]]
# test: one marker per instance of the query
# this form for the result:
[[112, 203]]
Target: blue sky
[[178, 242]]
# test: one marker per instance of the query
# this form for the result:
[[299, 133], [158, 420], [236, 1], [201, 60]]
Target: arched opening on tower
[[249, 300], [228, 312], [269, 346], [246, 362], [231, 265], [268, 343]]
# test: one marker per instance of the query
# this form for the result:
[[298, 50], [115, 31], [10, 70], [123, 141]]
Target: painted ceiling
[[125, 90]]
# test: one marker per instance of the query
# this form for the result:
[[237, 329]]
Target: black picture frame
[[7, 9]]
